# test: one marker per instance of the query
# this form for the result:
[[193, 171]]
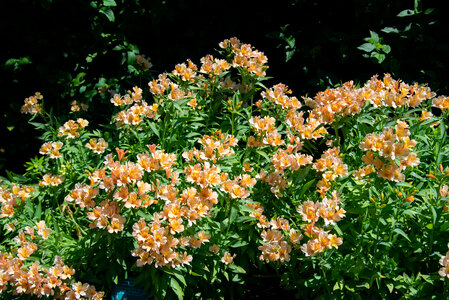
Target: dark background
[[310, 45]]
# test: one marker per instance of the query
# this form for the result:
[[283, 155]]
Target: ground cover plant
[[208, 184]]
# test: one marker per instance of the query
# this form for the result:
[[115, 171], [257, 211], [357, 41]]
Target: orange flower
[[227, 258], [121, 153]]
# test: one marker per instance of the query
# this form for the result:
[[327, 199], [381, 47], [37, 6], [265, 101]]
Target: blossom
[[31, 105], [444, 262], [227, 258]]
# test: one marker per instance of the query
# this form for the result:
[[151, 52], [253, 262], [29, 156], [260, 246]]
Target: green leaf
[[38, 211], [386, 49], [367, 47], [237, 269], [238, 244], [108, 13], [290, 41], [434, 215], [233, 215], [379, 56], [401, 232], [109, 3], [306, 187], [154, 128], [374, 37], [289, 55], [429, 11], [390, 287], [261, 153], [390, 30], [406, 13], [176, 288]]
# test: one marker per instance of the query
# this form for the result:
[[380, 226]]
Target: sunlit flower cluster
[[279, 94], [13, 196], [213, 147], [348, 100], [32, 106], [107, 215], [327, 209], [330, 211], [157, 242], [38, 280], [135, 114], [274, 246], [395, 93], [51, 149], [82, 195], [441, 102], [213, 66], [320, 240], [52, 180], [72, 128], [331, 165], [158, 87], [266, 132], [186, 72], [246, 56], [311, 128], [392, 144], [97, 146], [283, 160], [131, 97]]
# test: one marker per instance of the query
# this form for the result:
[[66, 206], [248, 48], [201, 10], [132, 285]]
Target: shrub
[[203, 181]]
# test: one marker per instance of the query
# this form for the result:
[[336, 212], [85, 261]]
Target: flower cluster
[[213, 66], [332, 167], [52, 149], [31, 105], [82, 195], [266, 132], [441, 102], [186, 72], [143, 61], [246, 56], [274, 246], [72, 128], [330, 211], [37, 280], [283, 160], [157, 244], [136, 114], [311, 128], [107, 215], [391, 145], [53, 180], [131, 97], [12, 197], [395, 93], [75, 107], [278, 94], [214, 147], [97, 146]]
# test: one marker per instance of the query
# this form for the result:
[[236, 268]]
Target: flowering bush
[[209, 178]]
